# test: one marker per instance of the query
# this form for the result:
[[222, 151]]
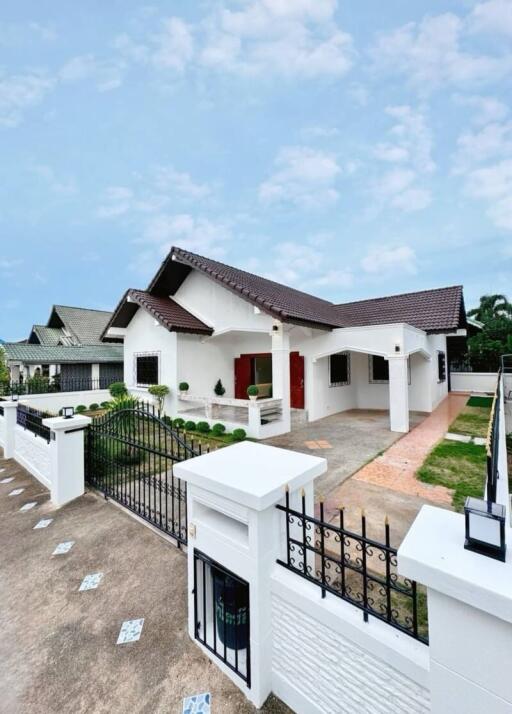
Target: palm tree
[[491, 307]]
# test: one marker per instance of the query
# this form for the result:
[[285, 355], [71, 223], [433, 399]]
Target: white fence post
[[9, 424], [232, 494], [469, 613], [67, 457]]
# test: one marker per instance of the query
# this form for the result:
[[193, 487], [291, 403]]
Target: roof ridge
[[89, 309], [393, 295]]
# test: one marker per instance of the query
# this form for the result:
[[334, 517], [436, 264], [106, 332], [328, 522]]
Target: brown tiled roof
[[168, 313], [280, 301], [436, 310]]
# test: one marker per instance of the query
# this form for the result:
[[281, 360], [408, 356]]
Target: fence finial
[[287, 488], [386, 520], [302, 493]]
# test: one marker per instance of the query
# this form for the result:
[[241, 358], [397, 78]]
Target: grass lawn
[[458, 466], [474, 418]]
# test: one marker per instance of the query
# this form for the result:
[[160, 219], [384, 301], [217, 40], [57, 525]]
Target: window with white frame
[[441, 366], [146, 369], [339, 369]]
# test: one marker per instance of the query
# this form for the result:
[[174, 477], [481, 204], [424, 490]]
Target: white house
[[201, 320]]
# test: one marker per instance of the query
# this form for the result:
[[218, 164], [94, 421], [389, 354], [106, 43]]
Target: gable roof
[[84, 324], [42, 335], [45, 354], [165, 310], [437, 310], [279, 301]]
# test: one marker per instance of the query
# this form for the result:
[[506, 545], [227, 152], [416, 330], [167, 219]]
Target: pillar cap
[[62, 424], [433, 554], [9, 404], [253, 475]]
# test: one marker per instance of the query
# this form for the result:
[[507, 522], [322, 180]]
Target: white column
[[469, 613], [232, 494], [66, 457], [10, 423], [95, 375], [398, 393], [281, 370]]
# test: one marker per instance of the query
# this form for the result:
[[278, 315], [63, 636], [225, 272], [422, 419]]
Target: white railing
[[259, 417]]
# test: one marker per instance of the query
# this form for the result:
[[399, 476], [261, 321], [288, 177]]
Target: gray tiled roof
[[51, 336], [45, 354], [85, 324]]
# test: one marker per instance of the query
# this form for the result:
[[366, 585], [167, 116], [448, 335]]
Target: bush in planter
[[219, 389], [253, 390], [239, 434], [118, 389], [80, 409], [218, 429], [94, 407], [178, 423], [183, 386], [203, 427], [190, 425]]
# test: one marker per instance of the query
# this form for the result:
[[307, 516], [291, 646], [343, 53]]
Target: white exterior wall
[[2, 430], [53, 402], [325, 658], [33, 453], [439, 389], [484, 382]]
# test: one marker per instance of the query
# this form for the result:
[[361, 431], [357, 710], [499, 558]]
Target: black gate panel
[[130, 455], [222, 614]]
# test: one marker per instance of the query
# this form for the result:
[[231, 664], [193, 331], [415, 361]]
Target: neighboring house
[[201, 320], [68, 349]]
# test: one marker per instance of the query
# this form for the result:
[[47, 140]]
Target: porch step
[[298, 417]]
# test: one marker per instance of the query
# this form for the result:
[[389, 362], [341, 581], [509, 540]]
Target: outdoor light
[[14, 396], [397, 347], [485, 528], [68, 412]]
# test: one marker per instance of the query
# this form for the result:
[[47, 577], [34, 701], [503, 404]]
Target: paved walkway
[[58, 648]]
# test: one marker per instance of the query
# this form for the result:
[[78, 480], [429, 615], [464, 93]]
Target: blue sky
[[344, 150]]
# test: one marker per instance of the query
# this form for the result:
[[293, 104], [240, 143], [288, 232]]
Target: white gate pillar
[[67, 457], [9, 424], [399, 393], [232, 494], [469, 615]]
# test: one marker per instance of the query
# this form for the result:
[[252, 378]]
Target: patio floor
[[58, 646]]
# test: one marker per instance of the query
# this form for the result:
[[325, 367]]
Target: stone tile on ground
[[464, 438]]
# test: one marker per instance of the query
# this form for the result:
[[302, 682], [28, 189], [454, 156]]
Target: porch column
[[95, 376], [398, 393], [281, 369]]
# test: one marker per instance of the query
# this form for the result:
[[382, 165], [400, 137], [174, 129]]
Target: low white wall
[[2, 430], [473, 381], [53, 402], [327, 659], [33, 453]]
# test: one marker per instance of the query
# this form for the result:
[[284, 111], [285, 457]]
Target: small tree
[[219, 389], [160, 391], [118, 389], [4, 370]]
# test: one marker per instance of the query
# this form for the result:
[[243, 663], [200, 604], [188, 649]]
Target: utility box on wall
[[234, 541]]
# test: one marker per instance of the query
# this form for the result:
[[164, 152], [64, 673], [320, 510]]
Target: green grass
[[473, 421], [480, 402], [458, 466]]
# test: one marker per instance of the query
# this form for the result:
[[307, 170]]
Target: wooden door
[[242, 376], [296, 380]]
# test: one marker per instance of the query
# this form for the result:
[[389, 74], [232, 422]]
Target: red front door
[[242, 376], [296, 380]]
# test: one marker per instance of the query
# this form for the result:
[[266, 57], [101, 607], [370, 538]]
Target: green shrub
[[253, 390], [160, 391], [118, 389], [106, 405], [80, 408], [190, 425], [167, 420], [183, 387], [94, 407], [239, 434], [178, 423], [219, 389], [218, 429], [203, 427]]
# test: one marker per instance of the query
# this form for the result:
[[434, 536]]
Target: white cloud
[[494, 17], [487, 109], [283, 37], [413, 199], [303, 176], [493, 184], [197, 234], [380, 260], [174, 45], [167, 178], [117, 201], [20, 92], [53, 182], [429, 54], [492, 140], [107, 75]]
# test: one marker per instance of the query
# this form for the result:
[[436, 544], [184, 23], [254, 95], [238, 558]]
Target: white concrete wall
[[33, 453], [484, 382], [327, 659], [53, 402], [439, 389], [2, 430]]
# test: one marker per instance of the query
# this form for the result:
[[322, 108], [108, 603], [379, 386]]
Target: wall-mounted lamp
[[68, 412], [485, 528], [397, 347], [14, 396]]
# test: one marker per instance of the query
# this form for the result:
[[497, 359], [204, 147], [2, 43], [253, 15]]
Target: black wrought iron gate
[[130, 454]]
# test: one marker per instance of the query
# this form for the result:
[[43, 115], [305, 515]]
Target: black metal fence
[[474, 365], [32, 420], [354, 567], [40, 385], [222, 614], [130, 454], [492, 445], [1, 410]]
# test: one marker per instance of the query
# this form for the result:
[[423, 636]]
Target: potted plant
[[252, 392], [219, 389], [183, 387]]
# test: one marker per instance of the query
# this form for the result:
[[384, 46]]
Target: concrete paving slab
[[457, 437]]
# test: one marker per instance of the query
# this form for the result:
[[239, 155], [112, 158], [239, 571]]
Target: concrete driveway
[[58, 647]]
